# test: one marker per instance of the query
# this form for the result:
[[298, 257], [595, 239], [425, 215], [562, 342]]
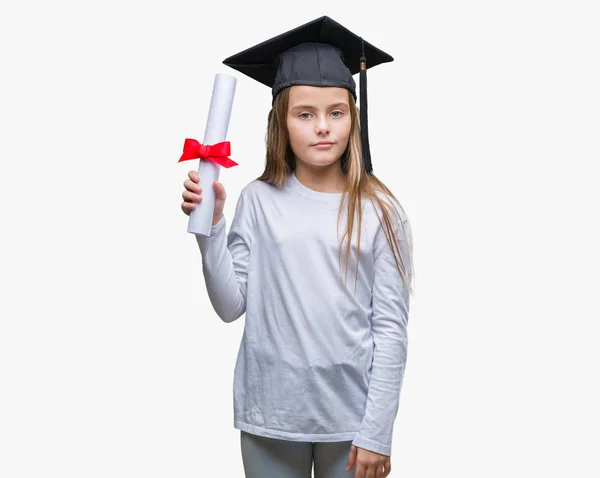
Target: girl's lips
[[323, 145]]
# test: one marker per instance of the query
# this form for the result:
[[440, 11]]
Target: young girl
[[321, 362]]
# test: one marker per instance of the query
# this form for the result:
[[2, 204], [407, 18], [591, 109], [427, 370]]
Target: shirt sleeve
[[225, 261], [390, 305]]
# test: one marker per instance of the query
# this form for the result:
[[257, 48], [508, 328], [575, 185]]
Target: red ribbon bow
[[217, 153]]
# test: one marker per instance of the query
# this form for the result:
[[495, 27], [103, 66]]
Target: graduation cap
[[319, 53]]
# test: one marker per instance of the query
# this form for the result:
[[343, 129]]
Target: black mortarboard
[[319, 53]]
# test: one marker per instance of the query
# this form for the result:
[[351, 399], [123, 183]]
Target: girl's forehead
[[317, 95]]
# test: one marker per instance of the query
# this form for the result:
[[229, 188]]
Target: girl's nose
[[322, 126]]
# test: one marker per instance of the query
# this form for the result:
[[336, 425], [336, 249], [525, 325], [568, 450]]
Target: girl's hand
[[192, 195], [368, 463]]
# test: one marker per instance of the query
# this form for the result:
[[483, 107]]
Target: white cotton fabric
[[317, 362]]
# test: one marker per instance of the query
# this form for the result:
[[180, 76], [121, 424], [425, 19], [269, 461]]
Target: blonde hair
[[281, 162]]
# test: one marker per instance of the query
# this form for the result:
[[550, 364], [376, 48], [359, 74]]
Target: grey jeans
[[272, 458]]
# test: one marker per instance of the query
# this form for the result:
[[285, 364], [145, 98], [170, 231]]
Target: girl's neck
[[326, 180]]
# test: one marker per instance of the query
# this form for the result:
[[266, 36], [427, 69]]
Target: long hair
[[281, 162]]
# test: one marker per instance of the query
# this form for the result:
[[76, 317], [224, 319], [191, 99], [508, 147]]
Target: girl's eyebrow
[[310, 107]]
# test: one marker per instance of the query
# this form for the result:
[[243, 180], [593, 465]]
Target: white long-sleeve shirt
[[316, 362]]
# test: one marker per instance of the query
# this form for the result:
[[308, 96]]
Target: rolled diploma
[[219, 112]]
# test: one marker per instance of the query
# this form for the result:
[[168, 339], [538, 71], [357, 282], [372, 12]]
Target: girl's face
[[318, 122]]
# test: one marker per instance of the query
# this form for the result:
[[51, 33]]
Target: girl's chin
[[318, 163]]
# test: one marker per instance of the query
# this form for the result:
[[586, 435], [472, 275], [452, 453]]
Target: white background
[[486, 126]]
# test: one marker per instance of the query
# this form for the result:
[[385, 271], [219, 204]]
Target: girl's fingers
[[191, 186], [219, 190], [189, 196], [188, 207]]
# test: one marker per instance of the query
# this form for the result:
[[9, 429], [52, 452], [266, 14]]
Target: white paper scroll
[[216, 131]]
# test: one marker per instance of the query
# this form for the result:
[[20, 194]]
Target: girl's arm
[[225, 261], [389, 328]]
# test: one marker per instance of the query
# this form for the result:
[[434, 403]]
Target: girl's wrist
[[216, 219]]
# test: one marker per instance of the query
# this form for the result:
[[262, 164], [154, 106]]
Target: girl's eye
[[337, 114], [304, 115]]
